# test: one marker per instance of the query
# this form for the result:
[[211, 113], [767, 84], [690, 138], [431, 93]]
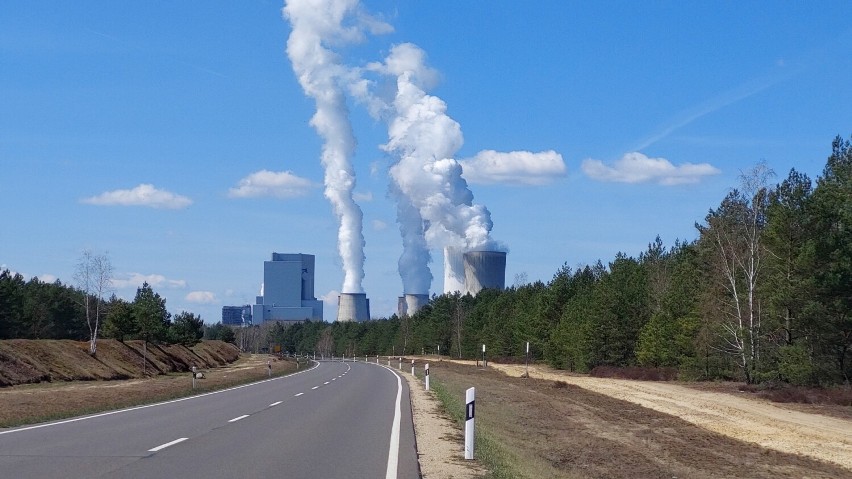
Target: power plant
[[353, 307], [470, 272], [484, 269], [409, 304]]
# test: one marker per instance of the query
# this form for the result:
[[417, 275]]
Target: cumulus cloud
[[379, 225], [135, 280], [638, 168], [143, 195], [514, 167], [278, 184], [201, 297]]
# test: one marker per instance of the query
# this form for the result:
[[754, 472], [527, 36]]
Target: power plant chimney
[[484, 269], [353, 307], [453, 270], [414, 302]]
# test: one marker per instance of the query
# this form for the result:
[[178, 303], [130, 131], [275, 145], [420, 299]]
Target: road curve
[[335, 420]]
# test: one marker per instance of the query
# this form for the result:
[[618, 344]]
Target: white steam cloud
[[316, 24], [638, 168]]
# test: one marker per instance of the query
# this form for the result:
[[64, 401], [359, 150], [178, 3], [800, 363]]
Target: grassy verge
[[32, 404], [487, 448]]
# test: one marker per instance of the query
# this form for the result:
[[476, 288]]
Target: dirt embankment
[[33, 361], [755, 421]]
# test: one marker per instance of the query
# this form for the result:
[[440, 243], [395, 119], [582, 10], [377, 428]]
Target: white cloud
[[135, 280], [47, 278], [379, 225], [143, 195], [514, 167], [201, 297], [638, 168], [279, 184], [363, 197]]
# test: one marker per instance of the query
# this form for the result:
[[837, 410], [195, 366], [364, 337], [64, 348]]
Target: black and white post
[[426, 375], [527, 362], [469, 413], [412, 367], [484, 364]]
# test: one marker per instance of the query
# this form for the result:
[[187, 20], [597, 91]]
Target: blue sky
[[130, 128]]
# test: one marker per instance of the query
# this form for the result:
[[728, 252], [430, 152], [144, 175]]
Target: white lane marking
[[275, 403], [238, 418], [325, 382], [146, 406], [163, 446], [315, 387], [297, 395], [334, 379], [393, 449]]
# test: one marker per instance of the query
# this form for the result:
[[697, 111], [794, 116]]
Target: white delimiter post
[[470, 409], [412, 367], [426, 374]]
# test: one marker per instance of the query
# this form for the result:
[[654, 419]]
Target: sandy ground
[[784, 430], [440, 444]]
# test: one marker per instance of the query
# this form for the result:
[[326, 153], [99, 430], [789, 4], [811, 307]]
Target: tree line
[[35, 309], [763, 294]]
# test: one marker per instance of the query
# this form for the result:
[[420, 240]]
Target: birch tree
[[733, 234], [94, 279]]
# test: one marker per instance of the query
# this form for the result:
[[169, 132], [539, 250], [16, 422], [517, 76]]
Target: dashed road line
[[275, 403], [297, 395], [315, 387], [238, 418], [163, 446]]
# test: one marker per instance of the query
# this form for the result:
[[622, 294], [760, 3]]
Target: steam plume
[[315, 25]]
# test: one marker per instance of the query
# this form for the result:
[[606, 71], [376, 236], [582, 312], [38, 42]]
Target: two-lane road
[[346, 420]]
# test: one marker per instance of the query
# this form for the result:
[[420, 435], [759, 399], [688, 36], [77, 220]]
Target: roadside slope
[[785, 430]]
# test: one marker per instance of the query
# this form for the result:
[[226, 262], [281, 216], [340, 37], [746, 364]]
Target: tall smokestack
[[484, 269], [353, 307]]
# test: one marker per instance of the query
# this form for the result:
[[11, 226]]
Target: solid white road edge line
[[238, 418], [393, 449], [110, 413], [163, 446]]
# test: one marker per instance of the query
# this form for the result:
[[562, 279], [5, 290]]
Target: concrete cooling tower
[[484, 269], [353, 307], [414, 302], [453, 270]]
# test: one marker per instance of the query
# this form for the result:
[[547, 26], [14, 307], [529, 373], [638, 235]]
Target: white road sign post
[[469, 412], [426, 374]]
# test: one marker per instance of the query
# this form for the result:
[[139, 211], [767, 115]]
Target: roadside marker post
[[400, 363], [412, 367], [469, 413], [484, 362], [193, 376], [527, 362], [388, 360], [426, 374], [269, 368]]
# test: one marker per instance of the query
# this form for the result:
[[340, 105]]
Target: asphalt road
[[336, 420]]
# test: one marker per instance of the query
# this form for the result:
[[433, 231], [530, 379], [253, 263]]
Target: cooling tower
[[453, 270], [413, 302], [353, 307], [401, 307], [484, 269]]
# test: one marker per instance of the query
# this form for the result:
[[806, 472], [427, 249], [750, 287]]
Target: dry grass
[[55, 399]]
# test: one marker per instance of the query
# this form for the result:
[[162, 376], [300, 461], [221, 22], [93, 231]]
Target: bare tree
[[733, 232], [94, 278]]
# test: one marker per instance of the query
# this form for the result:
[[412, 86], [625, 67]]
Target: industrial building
[[468, 272], [236, 315], [288, 290]]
